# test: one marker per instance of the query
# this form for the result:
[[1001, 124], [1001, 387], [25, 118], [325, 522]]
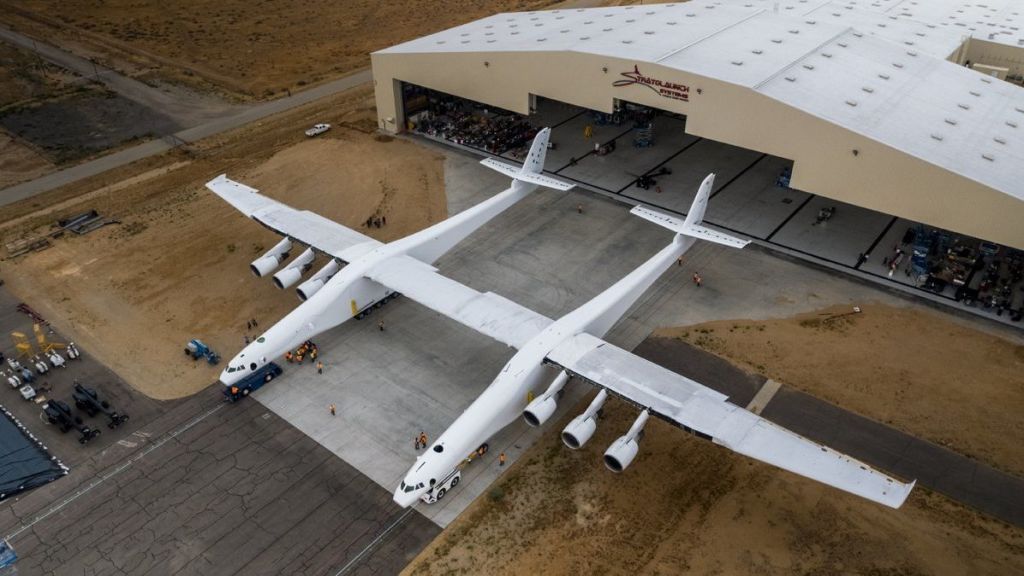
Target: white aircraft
[[552, 351], [335, 293], [571, 345]]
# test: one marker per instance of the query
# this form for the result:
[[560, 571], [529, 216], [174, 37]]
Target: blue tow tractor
[[252, 382]]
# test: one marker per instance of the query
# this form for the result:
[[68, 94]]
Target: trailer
[[252, 382]]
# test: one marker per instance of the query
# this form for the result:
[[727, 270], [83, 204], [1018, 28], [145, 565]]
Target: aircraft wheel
[[440, 493], [245, 392], [455, 481]]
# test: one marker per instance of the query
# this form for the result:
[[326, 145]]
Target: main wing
[[485, 312], [705, 412], [306, 227]]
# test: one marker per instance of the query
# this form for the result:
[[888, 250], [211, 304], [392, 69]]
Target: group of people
[[307, 350], [495, 134]]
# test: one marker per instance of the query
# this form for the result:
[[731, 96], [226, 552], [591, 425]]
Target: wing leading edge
[[306, 227], [705, 412]]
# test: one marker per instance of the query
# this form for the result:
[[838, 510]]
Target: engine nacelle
[[314, 284], [579, 432], [582, 427], [295, 269], [542, 407], [271, 259], [287, 277], [621, 453]]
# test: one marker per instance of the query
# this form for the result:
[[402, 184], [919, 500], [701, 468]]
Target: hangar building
[[874, 101]]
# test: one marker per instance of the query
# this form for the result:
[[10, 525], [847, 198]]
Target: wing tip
[[896, 498]]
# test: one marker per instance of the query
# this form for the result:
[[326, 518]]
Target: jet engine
[[272, 259], [293, 272], [543, 406], [582, 427], [314, 284], [621, 453]]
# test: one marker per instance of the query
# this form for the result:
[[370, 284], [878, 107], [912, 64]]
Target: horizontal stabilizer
[[679, 226], [533, 178]]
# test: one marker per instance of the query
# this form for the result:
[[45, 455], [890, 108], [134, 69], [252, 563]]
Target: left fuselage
[[349, 292]]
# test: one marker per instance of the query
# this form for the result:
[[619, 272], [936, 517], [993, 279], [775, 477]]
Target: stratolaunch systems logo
[[661, 87]]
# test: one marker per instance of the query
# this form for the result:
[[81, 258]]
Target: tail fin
[[538, 150], [532, 171], [700, 202], [691, 225]]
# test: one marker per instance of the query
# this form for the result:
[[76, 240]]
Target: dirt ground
[[912, 369], [19, 162], [687, 506], [177, 266], [251, 49]]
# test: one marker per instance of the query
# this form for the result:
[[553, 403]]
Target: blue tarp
[[24, 462]]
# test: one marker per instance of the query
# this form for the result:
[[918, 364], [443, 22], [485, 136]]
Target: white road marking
[[764, 396], [379, 537]]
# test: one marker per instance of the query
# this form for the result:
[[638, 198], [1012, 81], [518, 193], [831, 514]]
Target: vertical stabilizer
[[532, 171], [700, 202], [534, 163]]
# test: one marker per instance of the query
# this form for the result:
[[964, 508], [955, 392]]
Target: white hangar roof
[[875, 67]]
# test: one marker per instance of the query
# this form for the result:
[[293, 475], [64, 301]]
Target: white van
[[442, 487]]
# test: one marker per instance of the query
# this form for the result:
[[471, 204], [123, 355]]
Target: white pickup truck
[[318, 129]]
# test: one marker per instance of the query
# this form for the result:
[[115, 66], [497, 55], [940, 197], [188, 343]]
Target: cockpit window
[[261, 339], [438, 448], [231, 369]]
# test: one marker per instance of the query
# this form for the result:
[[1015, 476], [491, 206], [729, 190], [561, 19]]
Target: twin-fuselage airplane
[[549, 351]]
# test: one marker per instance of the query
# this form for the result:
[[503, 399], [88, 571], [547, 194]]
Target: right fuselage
[[525, 374]]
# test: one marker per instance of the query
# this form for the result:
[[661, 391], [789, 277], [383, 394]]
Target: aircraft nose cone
[[405, 499]]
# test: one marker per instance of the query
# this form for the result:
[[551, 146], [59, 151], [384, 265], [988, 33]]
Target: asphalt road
[[187, 108], [229, 489], [960, 478]]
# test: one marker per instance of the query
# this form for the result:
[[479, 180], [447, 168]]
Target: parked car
[[318, 129]]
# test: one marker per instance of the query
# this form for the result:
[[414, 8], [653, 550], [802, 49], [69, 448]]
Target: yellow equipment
[[45, 345], [22, 345]]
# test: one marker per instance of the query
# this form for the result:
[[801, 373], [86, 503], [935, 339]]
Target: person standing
[[320, 368], [423, 439], [333, 412], [380, 325], [501, 459], [697, 279]]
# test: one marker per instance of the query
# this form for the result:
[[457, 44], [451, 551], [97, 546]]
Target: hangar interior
[[644, 155], [640, 149]]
